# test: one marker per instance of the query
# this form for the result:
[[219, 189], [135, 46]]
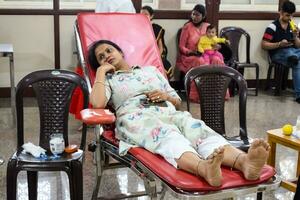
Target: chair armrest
[[93, 116]]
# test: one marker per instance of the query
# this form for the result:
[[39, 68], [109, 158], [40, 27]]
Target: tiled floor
[[263, 113]]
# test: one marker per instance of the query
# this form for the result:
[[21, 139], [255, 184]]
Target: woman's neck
[[124, 66], [197, 24]]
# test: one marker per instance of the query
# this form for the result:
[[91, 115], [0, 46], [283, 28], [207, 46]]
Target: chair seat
[[246, 65], [184, 180], [64, 157]]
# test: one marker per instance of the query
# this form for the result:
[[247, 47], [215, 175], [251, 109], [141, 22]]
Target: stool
[[281, 73]]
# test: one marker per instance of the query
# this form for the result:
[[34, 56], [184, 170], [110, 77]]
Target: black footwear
[[298, 100], [293, 60]]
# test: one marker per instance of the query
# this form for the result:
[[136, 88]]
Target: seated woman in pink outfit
[[189, 56]]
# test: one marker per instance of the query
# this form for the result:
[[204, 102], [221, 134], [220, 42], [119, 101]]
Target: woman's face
[[106, 53], [196, 17], [145, 12]]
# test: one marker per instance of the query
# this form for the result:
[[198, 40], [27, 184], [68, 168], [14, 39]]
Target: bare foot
[[255, 159], [210, 169]]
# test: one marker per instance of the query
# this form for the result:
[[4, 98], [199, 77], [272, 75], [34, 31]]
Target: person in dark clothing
[[281, 39], [159, 33]]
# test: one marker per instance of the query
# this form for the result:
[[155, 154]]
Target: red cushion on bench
[[184, 180]]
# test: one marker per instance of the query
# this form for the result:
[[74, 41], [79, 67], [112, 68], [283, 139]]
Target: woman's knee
[[216, 60]]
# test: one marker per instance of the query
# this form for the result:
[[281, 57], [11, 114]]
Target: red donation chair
[[133, 33]]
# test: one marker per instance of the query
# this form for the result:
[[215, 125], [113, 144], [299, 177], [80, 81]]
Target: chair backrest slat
[[234, 35], [212, 83], [53, 90]]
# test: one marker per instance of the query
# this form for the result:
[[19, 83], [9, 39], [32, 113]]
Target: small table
[[276, 136], [6, 50]]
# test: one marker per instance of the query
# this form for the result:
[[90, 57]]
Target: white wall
[[33, 43], [171, 27], [33, 40], [67, 43]]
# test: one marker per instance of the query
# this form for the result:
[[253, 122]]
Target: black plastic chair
[[281, 73], [234, 34], [53, 90], [212, 82]]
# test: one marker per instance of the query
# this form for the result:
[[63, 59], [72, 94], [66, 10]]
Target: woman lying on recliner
[[147, 116]]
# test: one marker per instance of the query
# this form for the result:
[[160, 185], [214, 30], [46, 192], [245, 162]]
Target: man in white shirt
[[125, 6]]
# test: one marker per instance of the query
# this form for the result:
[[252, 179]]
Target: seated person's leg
[[296, 77], [206, 141], [209, 169], [206, 58], [296, 81], [284, 56], [217, 58], [178, 151]]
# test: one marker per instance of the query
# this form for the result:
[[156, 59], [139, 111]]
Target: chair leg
[[257, 79], [77, 180], [11, 180], [259, 195], [32, 180], [71, 182], [271, 66], [150, 187], [100, 162], [285, 78], [278, 79]]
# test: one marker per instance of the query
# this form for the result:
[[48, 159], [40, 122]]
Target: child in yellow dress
[[207, 45]]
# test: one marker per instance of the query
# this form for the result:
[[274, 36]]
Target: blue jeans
[[281, 57]]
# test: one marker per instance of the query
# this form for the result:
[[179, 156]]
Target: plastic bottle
[[293, 25]]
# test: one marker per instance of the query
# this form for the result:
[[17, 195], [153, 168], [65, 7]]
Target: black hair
[[201, 9], [91, 54], [288, 7], [149, 9], [209, 27]]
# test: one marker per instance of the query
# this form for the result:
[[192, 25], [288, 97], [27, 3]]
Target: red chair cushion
[[132, 32], [93, 116], [184, 180]]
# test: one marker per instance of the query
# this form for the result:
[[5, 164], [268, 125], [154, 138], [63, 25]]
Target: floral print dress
[[149, 126]]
